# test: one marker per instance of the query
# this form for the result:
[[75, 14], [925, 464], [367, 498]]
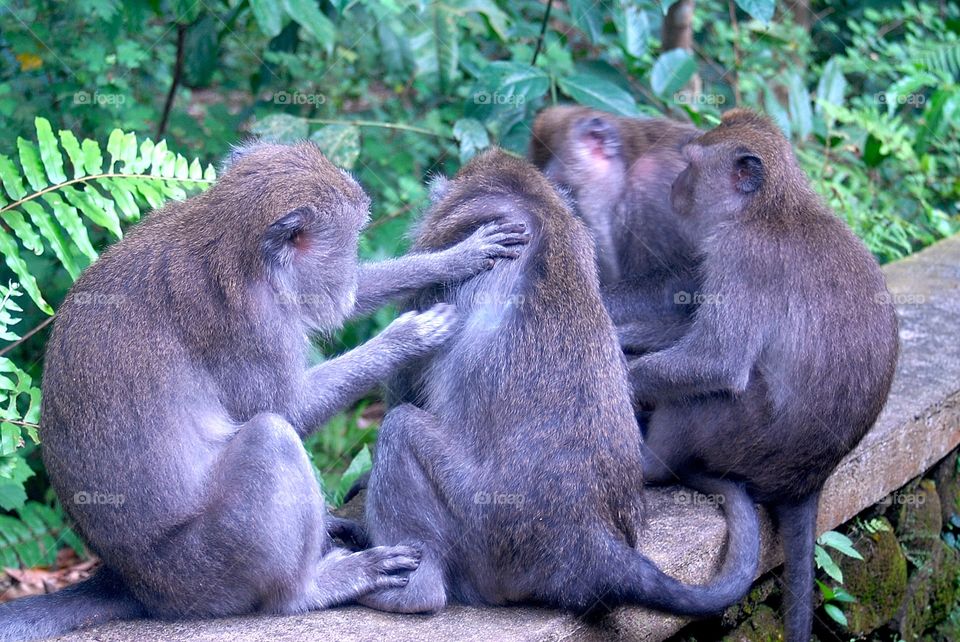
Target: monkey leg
[[649, 336], [412, 498], [259, 541]]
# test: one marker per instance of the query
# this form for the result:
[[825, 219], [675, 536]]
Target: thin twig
[[32, 332], [25, 424], [543, 32], [177, 72]]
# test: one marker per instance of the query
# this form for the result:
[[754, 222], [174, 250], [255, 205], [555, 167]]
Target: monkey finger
[[511, 239], [507, 228]]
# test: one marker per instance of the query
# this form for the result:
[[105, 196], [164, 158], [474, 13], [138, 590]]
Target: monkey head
[[296, 221], [580, 149], [743, 167]]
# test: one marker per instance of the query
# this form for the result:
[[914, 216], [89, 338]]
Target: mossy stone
[[879, 582], [763, 626], [919, 519], [932, 593], [948, 486]]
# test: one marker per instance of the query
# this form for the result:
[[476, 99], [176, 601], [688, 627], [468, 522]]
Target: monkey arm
[[384, 282], [381, 283], [652, 295], [653, 335]]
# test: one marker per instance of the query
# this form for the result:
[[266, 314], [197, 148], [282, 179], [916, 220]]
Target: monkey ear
[[281, 237], [748, 173]]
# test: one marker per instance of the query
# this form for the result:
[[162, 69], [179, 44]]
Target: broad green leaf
[[826, 562], [49, 151], [281, 128], [801, 115], [840, 542], [9, 438], [11, 256], [495, 16], [51, 232], [841, 595], [10, 176], [70, 220], [835, 614], [633, 25], [597, 92], [307, 14], [671, 71], [269, 16], [24, 231], [776, 111], [150, 194], [72, 146], [339, 143], [201, 56], [362, 463], [472, 136], [762, 10], [588, 17], [832, 84], [30, 162]]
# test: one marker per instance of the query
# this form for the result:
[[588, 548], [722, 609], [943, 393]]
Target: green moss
[[878, 582], [763, 626], [919, 520], [932, 593]]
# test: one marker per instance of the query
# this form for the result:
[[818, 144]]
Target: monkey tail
[[96, 600], [797, 523], [649, 586]]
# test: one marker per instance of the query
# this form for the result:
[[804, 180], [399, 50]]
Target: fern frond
[[50, 215], [34, 538]]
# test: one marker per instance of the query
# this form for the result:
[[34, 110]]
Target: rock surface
[[919, 426]]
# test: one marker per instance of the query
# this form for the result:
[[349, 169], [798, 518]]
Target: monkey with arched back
[[176, 393], [790, 361], [511, 456], [619, 171]]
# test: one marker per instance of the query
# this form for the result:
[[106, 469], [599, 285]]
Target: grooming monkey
[[176, 385], [785, 371], [619, 171], [511, 457]]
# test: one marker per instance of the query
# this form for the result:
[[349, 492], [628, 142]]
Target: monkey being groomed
[[511, 457], [789, 361], [176, 379], [619, 171]]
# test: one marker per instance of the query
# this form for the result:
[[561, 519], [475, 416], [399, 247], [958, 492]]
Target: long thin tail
[[649, 586], [797, 524], [96, 600]]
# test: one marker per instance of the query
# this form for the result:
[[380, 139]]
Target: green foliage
[[835, 595], [34, 536]]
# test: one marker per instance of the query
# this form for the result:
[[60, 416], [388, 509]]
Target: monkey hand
[[490, 242], [421, 332]]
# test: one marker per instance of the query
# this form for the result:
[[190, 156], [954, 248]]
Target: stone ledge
[[920, 424]]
